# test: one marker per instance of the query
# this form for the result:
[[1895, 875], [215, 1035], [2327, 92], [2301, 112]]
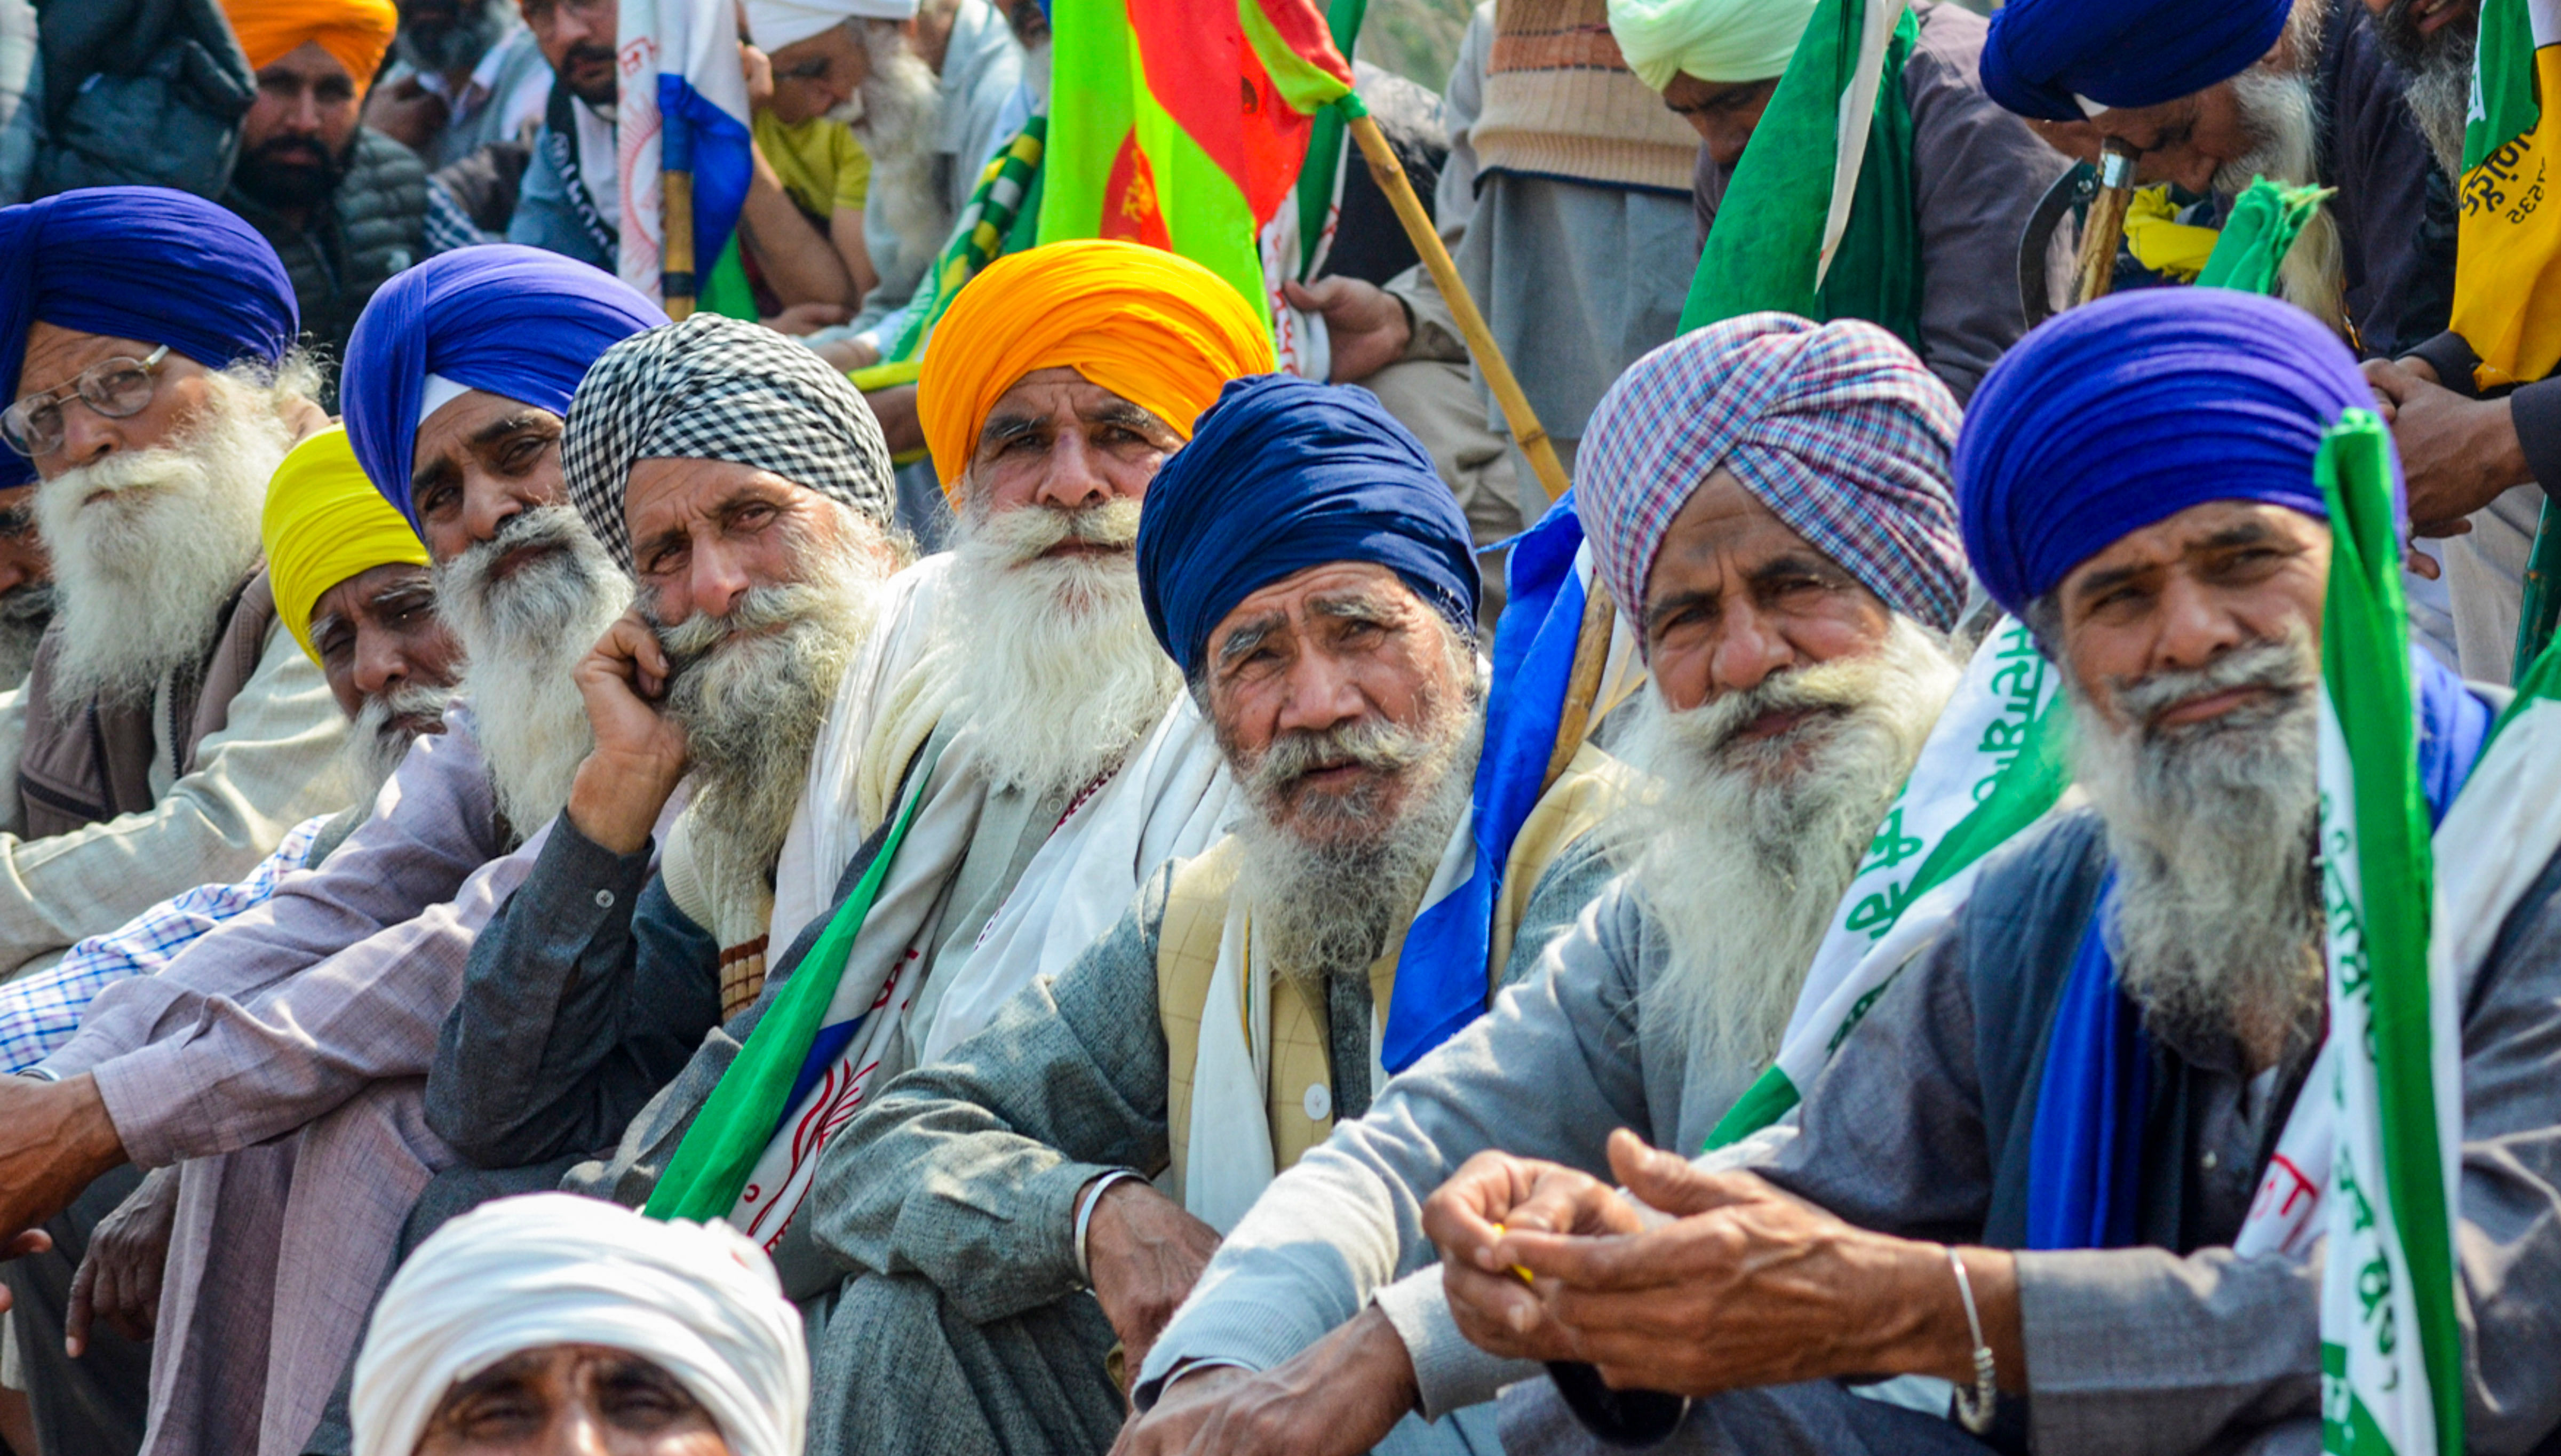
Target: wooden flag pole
[[2104, 228], [676, 258]]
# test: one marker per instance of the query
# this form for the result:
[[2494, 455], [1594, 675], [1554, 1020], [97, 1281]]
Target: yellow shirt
[[821, 165]]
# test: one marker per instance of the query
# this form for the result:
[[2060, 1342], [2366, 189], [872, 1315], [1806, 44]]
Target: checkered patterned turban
[[719, 389], [1836, 428]]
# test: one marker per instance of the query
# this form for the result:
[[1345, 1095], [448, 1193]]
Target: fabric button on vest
[[1319, 1104]]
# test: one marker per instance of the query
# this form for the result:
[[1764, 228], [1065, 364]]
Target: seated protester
[[1012, 700], [169, 733], [806, 232], [25, 585], [293, 1041], [568, 201], [1308, 572], [556, 1323], [2179, 582], [344, 205], [466, 75], [1776, 498], [1974, 171]]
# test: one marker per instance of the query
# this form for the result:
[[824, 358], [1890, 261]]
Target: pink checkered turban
[[1836, 428]]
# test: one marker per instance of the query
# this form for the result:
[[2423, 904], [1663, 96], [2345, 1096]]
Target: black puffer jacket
[[374, 227]]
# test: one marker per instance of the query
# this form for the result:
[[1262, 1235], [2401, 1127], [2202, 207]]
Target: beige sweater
[[1560, 101]]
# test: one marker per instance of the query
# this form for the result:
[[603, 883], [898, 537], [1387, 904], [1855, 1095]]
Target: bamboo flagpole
[[2104, 231]]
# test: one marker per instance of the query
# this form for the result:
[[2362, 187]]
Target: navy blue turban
[[517, 322], [139, 262], [1283, 474], [2121, 52], [2130, 409]]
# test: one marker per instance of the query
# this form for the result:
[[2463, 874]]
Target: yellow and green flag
[[2508, 265]]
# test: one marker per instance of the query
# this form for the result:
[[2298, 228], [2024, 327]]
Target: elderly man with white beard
[[1773, 498], [286, 1048], [1307, 570], [170, 732], [2035, 1168]]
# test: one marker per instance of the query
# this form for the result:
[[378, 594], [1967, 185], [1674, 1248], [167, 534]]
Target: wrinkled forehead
[[1329, 589], [453, 421], [57, 355], [2184, 535], [1050, 397]]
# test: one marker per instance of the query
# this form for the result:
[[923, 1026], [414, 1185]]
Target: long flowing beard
[[2283, 114], [148, 545], [2213, 827], [900, 105], [523, 634], [385, 728], [1331, 875], [2437, 78], [753, 688], [1054, 659], [1741, 851]]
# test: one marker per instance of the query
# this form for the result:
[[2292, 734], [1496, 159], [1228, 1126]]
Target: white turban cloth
[[1719, 41], [774, 24], [551, 1269]]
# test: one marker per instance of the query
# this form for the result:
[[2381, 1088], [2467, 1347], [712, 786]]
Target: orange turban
[[355, 32], [1158, 330]]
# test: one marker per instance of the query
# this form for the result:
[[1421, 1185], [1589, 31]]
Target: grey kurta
[[957, 1193], [2128, 1351]]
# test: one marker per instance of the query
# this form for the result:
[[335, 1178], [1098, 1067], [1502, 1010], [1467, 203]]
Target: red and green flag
[[1182, 125]]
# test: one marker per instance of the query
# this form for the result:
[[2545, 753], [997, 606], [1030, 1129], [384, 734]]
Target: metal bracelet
[[1974, 1406], [1085, 1216]]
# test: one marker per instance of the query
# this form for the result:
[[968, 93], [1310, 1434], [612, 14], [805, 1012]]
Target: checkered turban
[[1836, 428], [719, 389]]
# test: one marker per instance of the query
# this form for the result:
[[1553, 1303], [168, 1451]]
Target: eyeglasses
[[116, 388]]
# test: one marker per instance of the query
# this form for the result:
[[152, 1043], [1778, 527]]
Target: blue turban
[[2127, 410], [2121, 52], [139, 262], [1283, 474], [514, 321]]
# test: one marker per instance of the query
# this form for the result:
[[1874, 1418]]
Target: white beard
[[752, 690], [1325, 906], [379, 737], [2281, 111], [900, 108], [1053, 655], [523, 636], [1741, 862], [141, 573], [2212, 829]]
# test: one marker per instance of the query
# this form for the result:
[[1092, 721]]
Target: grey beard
[[1325, 907], [523, 636], [901, 105], [752, 690], [24, 614], [2212, 827], [1741, 853], [2285, 116], [458, 46], [2437, 80], [380, 738]]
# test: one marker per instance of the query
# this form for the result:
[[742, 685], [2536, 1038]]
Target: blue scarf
[[2086, 1147]]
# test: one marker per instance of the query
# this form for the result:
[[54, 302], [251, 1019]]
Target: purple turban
[[1836, 428], [2129, 411]]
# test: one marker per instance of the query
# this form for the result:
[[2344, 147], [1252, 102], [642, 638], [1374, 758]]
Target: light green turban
[[1722, 41]]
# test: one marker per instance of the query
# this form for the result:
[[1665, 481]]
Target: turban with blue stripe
[[138, 263], [2041, 53], [1283, 474], [2129, 411], [516, 322]]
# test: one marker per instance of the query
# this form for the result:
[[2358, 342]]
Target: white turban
[[774, 24], [525, 1274], [1722, 41]]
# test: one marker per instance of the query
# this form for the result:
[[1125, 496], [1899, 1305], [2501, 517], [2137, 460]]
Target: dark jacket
[[374, 227], [2395, 209]]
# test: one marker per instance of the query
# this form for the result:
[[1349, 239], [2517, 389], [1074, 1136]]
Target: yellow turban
[[356, 32], [325, 523], [1158, 330]]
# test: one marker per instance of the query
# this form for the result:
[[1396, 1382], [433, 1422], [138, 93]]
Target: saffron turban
[[325, 523], [514, 321], [1836, 428], [699, 1300], [354, 33], [1721, 41], [1283, 474], [138, 263], [2042, 54], [2130, 409], [720, 388], [774, 24], [1158, 330]]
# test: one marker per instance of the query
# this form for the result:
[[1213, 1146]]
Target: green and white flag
[[2391, 1352], [1993, 765]]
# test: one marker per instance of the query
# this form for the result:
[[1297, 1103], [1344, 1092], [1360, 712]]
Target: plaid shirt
[[39, 1013]]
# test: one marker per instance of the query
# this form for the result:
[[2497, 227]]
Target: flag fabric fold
[[2507, 259], [682, 108]]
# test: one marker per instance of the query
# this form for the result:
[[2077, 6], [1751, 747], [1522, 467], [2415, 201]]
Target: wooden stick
[[1526, 431], [676, 266], [2104, 228], [1583, 685]]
